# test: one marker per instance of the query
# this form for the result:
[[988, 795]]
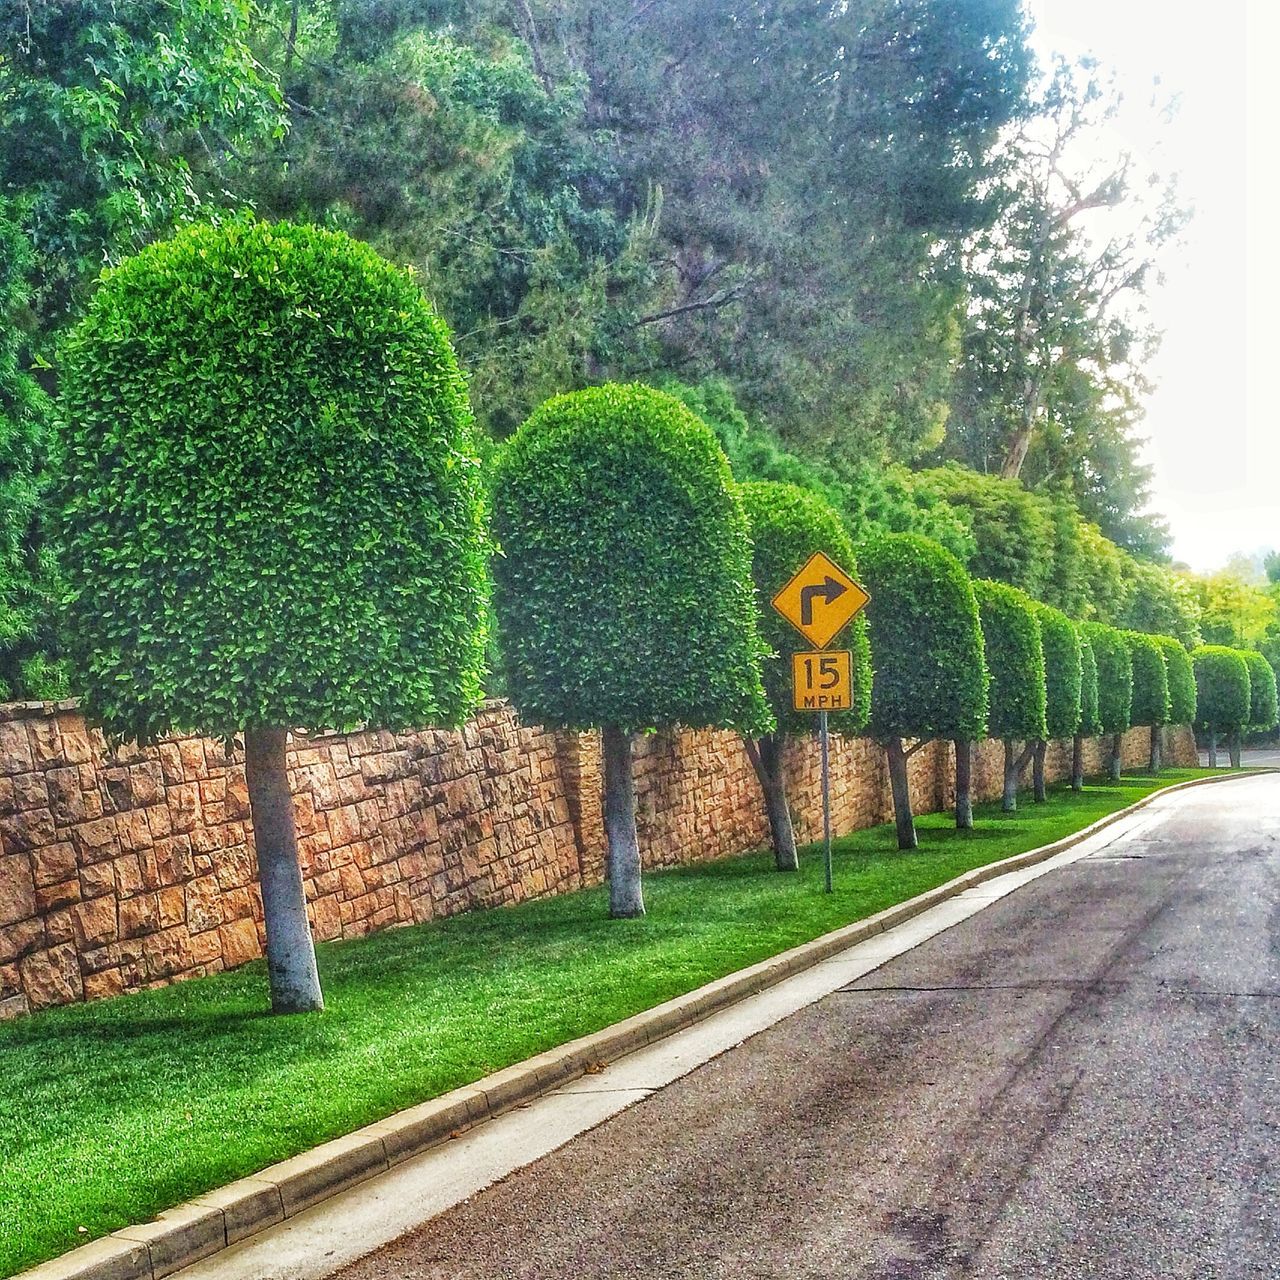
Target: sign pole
[[826, 795]]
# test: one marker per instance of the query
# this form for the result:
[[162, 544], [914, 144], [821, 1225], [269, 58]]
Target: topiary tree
[[1223, 693], [929, 679], [271, 515], [1262, 692], [1090, 724], [623, 587], [1060, 640], [1115, 687], [1150, 689], [1182, 688], [788, 524], [1015, 662]]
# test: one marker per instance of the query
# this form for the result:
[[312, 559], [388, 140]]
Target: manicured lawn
[[110, 1112]]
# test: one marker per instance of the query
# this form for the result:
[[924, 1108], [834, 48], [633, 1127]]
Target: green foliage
[[788, 524], [624, 591], [1151, 699], [1262, 691], [25, 417], [1115, 676], [1182, 680], [1090, 722], [930, 680], [1234, 613], [1015, 661], [1013, 530], [118, 121], [1223, 700], [271, 510], [1161, 602], [1063, 662]]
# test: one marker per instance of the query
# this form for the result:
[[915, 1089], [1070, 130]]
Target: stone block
[[171, 905], [204, 905], [21, 939], [52, 977], [139, 915], [17, 888], [50, 897], [239, 942], [28, 829]]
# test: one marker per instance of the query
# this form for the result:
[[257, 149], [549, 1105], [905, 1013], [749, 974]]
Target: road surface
[[1079, 1081]]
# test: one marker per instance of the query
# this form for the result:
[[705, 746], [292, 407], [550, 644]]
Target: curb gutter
[[223, 1217]]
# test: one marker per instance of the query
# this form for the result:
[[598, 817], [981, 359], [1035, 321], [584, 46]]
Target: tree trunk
[[1157, 748], [901, 786], [767, 759], [626, 896], [1009, 802], [1038, 771], [1117, 756], [1077, 763], [1236, 742], [1213, 747], [291, 954], [964, 784]]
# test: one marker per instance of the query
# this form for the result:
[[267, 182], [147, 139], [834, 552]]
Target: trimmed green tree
[[271, 515], [930, 680], [1182, 685], [1262, 691], [1060, 640], [1090, 724], [1115, 688], [1015, 662], [788, 524], [1150, 690], [1223, 693], [623, 586]]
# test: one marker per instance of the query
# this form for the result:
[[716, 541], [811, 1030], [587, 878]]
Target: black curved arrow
[[829, 590]]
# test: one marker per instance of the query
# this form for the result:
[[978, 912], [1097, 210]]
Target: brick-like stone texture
[[133, 868]]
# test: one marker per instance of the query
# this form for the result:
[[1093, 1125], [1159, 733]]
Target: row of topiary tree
[[272, 516]]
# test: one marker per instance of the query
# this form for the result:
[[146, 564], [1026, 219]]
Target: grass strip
[[113, 1111]]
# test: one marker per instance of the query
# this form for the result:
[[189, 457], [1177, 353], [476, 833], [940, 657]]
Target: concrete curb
[[213, 1221]]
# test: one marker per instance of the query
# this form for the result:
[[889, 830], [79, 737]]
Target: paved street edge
[[217, 1219]]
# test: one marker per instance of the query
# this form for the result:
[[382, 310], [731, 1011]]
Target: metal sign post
[[826, 796], [819, 601]]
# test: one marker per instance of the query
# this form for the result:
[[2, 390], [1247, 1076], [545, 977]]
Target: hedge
[[1090, 723], [1150, 704], [1063, 671], [1115, 676], [1223, 698], [1015, 662], [930, 679], [1262, 690], [1182, 680], [271, 509], [623, 583]]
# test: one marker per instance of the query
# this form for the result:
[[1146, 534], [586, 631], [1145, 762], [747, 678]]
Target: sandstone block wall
[[127, 869]]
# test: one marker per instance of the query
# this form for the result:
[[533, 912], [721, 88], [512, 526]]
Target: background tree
[[1262, 692], [1115, 688], [120, 121], [1060, 641], [1182, 682], [1015, 662], [26, 578], [1160, 602], [623, 587], [788, 525], [1151, 702], [929, 679], [1223, 695], [271, 515], [1090, 719]]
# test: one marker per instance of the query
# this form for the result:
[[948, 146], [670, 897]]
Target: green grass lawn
[[110, 1112]]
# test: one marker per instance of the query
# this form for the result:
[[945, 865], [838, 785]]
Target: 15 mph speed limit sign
[[822, 680]]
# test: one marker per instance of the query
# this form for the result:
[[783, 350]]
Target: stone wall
[[132, 868]]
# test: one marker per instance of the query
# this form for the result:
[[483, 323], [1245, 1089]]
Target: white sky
[[1212, 425]]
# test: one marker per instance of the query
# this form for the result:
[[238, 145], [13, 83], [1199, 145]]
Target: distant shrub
[[1063, 671], [1223, 694], [1182, 680], [1262, 690], [1090, 723], [1115, 676], [1015, 661]]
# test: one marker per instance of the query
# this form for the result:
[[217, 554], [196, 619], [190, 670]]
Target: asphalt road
[[1082, 1080]]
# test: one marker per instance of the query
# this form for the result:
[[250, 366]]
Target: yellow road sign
[[822, 680], [820, 600]]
